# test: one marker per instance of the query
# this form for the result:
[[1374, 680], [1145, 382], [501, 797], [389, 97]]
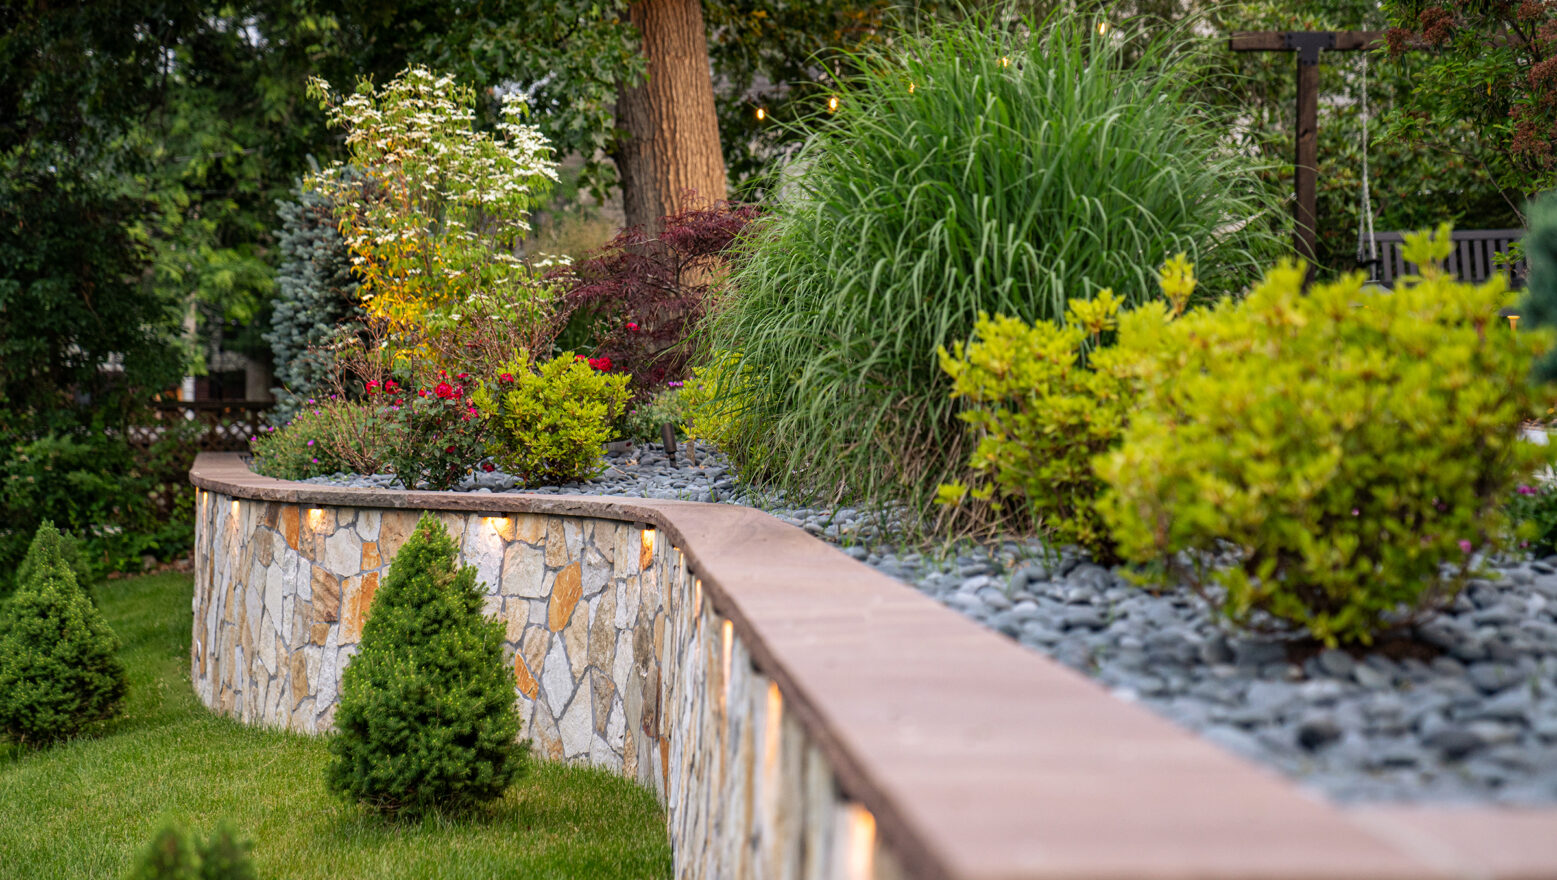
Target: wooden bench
[[1471, 260]]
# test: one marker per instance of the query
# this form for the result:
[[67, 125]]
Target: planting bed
[[1463, 708]]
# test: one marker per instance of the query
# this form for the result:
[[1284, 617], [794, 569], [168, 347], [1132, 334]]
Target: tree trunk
[[669, 159]]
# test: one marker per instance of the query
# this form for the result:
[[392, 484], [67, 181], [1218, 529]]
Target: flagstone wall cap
[[979, 758]]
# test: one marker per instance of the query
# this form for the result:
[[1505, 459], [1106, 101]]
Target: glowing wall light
[[862, 843], [646, 551], [727, 638], [315, 517]]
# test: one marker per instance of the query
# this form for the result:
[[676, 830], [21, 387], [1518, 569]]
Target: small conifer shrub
[[59, 670], [426, 718], [175, 855]]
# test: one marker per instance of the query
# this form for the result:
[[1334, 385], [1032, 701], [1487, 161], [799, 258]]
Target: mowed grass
[[89, 807]]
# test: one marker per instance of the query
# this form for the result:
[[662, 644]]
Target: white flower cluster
[[435, 186]]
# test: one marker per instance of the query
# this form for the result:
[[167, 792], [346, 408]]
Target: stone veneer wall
[[619, 661]]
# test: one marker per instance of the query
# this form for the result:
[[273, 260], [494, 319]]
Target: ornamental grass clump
[[59, 663], [1330, 463], [972, 169], [426, 717]]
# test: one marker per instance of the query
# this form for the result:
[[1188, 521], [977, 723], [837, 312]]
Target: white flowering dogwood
[[435, 228]]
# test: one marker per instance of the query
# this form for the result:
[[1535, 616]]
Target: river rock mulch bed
[[1464, 709]]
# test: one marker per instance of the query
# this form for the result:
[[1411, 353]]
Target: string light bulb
[[1005, 61], [832, 104], [910, 87], [762, 113], [1102, 27]]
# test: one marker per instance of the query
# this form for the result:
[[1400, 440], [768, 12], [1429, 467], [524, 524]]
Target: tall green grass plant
[[969, 168]]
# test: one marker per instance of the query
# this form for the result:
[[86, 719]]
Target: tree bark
[[669, 159]]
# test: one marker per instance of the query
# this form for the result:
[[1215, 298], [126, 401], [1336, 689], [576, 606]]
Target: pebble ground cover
[[1471, 718], [87, 808]]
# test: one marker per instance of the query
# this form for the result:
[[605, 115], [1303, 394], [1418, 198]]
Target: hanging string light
[[1005, 61], [832, 104], [910, 87], [1102, 27], [762, 113]]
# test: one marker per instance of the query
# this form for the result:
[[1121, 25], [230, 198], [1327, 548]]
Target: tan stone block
[[565, 593], [395, 527], [522, 677], [263, 551], [524, 571], [536, 640], [630, 756], [289, 525], [326, 589], [556, 543], [299, 681], [602, 635], [544, 728], [601, 690], [359, 602], [370, 559], [576, 637], [659, 638], [529, 528], [516, 613], [454, 524], [270, 515], [318, 633]]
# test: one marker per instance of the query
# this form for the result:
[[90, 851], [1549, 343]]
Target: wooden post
[[1306, 45]]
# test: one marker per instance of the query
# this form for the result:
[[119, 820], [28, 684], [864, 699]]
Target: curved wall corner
[[619, 660]]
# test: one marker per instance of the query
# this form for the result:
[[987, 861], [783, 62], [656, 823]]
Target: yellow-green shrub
[[1040, 416], [1353, 449], [713, 399], [1042, 408], [550, 425]]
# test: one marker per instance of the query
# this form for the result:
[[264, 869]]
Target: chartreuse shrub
[[713, 401], [1043, 400], [549, 425], [973, 168], [426, 718], [1348, 451], [59, 668], [175, 855]]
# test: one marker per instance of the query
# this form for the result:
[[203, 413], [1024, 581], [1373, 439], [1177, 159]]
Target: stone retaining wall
[[799, 714], [619, 661]]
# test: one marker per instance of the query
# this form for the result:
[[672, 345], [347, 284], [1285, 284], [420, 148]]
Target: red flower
[[449, 450], [444, 390], [632, 327], [506, 378], [487, 466], [603, 364], [579, 357], [391, 386], [462, 376], [421, 392], [372, 387]]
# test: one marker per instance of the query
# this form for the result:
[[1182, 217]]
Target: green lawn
[[89, 807]]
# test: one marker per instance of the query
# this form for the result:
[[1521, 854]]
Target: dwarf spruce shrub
[[1345, 453], [426, 717], [59, 670], [175, 855], [550, 423]]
